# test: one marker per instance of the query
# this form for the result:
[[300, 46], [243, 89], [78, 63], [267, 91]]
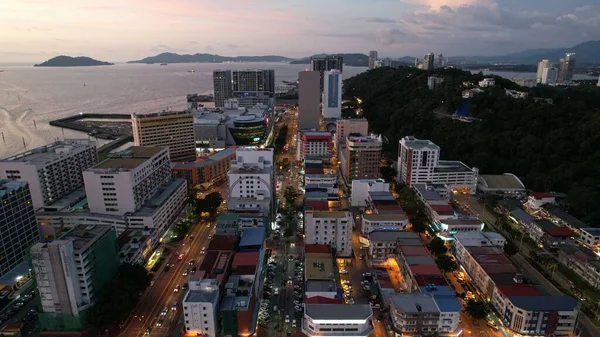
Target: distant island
[[208, 58], [352, 60], [68, 61]]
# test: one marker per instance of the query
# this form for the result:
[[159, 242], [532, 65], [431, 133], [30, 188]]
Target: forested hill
[[552, 147]]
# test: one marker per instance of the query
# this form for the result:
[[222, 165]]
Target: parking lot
[[23, 311]]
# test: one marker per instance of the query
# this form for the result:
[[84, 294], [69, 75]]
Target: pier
[[115, 126]]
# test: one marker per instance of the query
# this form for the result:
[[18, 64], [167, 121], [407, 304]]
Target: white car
[[287, 318]]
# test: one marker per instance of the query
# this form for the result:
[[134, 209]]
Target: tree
[[437, 246], [446, 263], [510, 248], [290, 194], [388, 173], [418, 225], [477, 309], [210, 203]]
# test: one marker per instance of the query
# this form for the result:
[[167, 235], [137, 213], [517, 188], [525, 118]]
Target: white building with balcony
[[487, 82], [329, 228], [200, 307], [383, 222], [251, 180], [337, 320], [362, 187]]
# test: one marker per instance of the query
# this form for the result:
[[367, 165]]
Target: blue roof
[[544, 303], [521, 215], [463, 109], [252, 237], [448, 303]]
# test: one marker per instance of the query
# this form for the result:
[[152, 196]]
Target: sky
[[124, 30]]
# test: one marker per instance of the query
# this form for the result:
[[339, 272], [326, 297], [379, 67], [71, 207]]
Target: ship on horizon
[[163, 64]]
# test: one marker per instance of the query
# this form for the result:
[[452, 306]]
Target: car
[[185, 272], [287, 318], [159, 323], [184, 286], [164, 311], [276, 291], [148, 330], [294, 323], [366, 274], [203, 250], [180, 257], [194, 269], [210, 237], [191, 262], [174, 306], [176, 289], [344, 271]]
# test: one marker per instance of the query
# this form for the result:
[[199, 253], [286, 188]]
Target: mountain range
[[586, 53]]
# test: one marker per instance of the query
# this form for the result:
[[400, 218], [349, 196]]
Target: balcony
[[310, 333]]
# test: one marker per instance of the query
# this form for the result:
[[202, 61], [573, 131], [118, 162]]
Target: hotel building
[[332, 95], [250, 87], [174, 129], [309, 100], [361, 158], [251, 180], [329, 228], [314, 144], [52, 171]]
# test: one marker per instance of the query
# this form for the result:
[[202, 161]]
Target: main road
[[161, 294]]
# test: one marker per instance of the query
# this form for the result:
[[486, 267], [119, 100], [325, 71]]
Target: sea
[[31, 97]]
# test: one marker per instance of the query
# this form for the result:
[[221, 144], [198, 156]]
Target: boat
[[163, 64], [84, 84], [191, 71]]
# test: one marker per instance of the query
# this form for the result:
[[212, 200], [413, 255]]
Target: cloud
[[337, 35], [389, 36], [437, 4], [193, 42], [232, 46], [378, 20]]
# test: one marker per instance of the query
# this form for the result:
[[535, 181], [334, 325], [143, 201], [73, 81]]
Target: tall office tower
[[362, 157], [309, 102], [372, 59], [253, 86], [428, 61], [174, 129], [53, 170], [18, 228], [549, 75], [543, 64], [326, 63], [122, 183], [251, 180], [567, 68], [332, 95], [222, 87], [439, 61], [71, 271], [200, 307]]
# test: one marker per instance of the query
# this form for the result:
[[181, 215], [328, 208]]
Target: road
[[589, 328], [161, 294]]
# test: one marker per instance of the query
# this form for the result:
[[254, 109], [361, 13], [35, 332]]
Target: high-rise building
[[200, 307], [598, 82], [439, 61], [251, 180], [313, 144], [326, 63], [419, 162], [372, 59], [309, 103], [361, 158], [567, 68], [121, 184], [174, 129], [71, 271], [222, 87], [53, 170], [329, 228], [387, 62], [332, 94], [344, 127], [18, 227], [428, 61], [549, 75], [543, 64], [250, 87]]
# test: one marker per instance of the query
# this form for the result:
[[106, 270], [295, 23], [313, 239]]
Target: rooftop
[[504, 181], [544, 303], [316, 205], [221, 155], [427, 192], [541, 195], [560, 232], [323, 300], [591, 231], [416, 249], [386, 195], [419, 144], [83, 236], [222, 243], [414, 303], [519, 289], [520, 215], [419, 259], [317, 249], [331, 215], [338, 312], [443, 209], [131, 158], [164, 113], [510, 204], [246, 259], [162, 195], [451, 166], [47, 153], [319, 266], [254, 236], [424, 269], [385, 217], [320, 286], [392, 236], [564, 216]]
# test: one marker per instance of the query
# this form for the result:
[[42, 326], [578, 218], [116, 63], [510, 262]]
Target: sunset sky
[[122, 30]]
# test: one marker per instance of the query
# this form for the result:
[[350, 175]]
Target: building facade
[[418, 162], [309, 97], [314, 144], [322, 64], [71, 271], [251, 180], [18, 229], [249, 87], [372, 59], [173, 129], [53, 170], [362, 157], [200, 307], [332, 94], [428, 61], [337, 320], [211, 169], [123, 182], [566, 69], [362, 187], [383, 222], [329, 228], [222, 86]]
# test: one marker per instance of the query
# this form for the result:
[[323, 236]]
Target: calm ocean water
[[45, 94]]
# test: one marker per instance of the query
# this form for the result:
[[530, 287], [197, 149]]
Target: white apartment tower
[[53, 170], [419, 162], [200, 307], [549, 75], [329, 228], [122, 183], [332, 94], [543, 64], [251, 180], [174, 129], [372, 59]]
